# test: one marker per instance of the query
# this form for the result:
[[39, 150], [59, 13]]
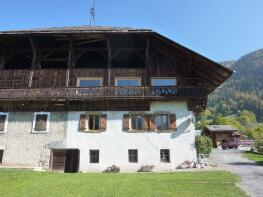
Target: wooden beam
[[147, 62], [34, 53], [109, 61]]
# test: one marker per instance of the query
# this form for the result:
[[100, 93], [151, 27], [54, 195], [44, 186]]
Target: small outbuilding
[[221, 134]]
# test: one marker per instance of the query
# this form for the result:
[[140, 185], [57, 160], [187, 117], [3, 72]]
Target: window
[[41, 122], [127, 82], [89, 82], [165, 155], [164, 82], [162, 122], [94, 122], [3, 122], [133, 155], [94, 156], [137, 121], [1, 156]]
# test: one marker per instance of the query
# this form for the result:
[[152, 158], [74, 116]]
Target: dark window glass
[[165, 155], [2, 122], [162, 122], [137, 121], [94, 156], [1, 156], [133, 155], [94, 122], [41, 122]]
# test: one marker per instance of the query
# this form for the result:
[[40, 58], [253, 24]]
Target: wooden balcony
[[102, 93]]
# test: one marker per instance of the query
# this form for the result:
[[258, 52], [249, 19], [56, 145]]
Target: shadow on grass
[[245, 163]]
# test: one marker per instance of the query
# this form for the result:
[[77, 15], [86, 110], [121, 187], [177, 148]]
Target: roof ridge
[[77, 28]]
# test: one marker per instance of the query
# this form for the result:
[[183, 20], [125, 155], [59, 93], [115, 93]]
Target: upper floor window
[[164, 82], [89, 82], [137, 121], [162, 122], [127, 82], [41, 122], [3, 122], [93, 122]]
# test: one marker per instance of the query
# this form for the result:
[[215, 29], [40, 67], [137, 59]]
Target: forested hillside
[[244, 90]]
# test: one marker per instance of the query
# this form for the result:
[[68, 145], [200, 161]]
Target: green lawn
[[254, 157], [207, 183]]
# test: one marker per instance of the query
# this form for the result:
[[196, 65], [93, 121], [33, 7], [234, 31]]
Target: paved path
[[251, 174]]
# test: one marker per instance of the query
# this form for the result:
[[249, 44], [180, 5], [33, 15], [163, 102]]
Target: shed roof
[[221, 128]]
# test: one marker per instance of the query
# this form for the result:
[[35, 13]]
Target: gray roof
[[77, 29], [221, 128]]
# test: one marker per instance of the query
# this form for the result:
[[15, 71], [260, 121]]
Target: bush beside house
[[203, 145]]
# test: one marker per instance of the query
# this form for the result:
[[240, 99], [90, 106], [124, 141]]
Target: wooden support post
[[33, 63], [70, 61], [147, 62], [109, 61]]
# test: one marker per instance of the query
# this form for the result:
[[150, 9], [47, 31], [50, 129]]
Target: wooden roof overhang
[[203, 70]]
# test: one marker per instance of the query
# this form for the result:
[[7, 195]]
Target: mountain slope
[[244, 90]]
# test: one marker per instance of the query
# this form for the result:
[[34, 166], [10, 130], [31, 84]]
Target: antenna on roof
[[92, 14]]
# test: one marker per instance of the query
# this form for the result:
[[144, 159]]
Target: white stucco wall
[[114, 143]]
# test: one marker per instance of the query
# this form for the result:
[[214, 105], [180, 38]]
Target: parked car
[[230, 145]]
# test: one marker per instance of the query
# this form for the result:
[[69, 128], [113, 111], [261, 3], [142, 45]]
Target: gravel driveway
[[251, 174]]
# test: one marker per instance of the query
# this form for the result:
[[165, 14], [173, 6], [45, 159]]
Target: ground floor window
[[1, 156], [94, 156], [133, 155], [165, 155]]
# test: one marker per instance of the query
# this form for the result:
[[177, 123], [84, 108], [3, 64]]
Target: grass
[[207, 183], [258, 158]]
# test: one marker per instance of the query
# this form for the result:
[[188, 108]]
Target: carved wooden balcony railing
[[97, 93]]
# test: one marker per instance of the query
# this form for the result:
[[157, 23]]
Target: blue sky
[[218, 29]]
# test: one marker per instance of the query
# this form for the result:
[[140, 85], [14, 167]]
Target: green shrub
[[258, 144], [203, 145]]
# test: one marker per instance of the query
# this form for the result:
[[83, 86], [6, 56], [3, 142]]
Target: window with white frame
[[3, 122], [127, 81], [89, 82], [41, 122], [164, 82]]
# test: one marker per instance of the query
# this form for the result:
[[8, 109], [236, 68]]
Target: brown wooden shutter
[[2, 122], [126, 122], [41, 122], [152, 122], [103, 122], [172, 119], [82, 122], [146, 121]]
